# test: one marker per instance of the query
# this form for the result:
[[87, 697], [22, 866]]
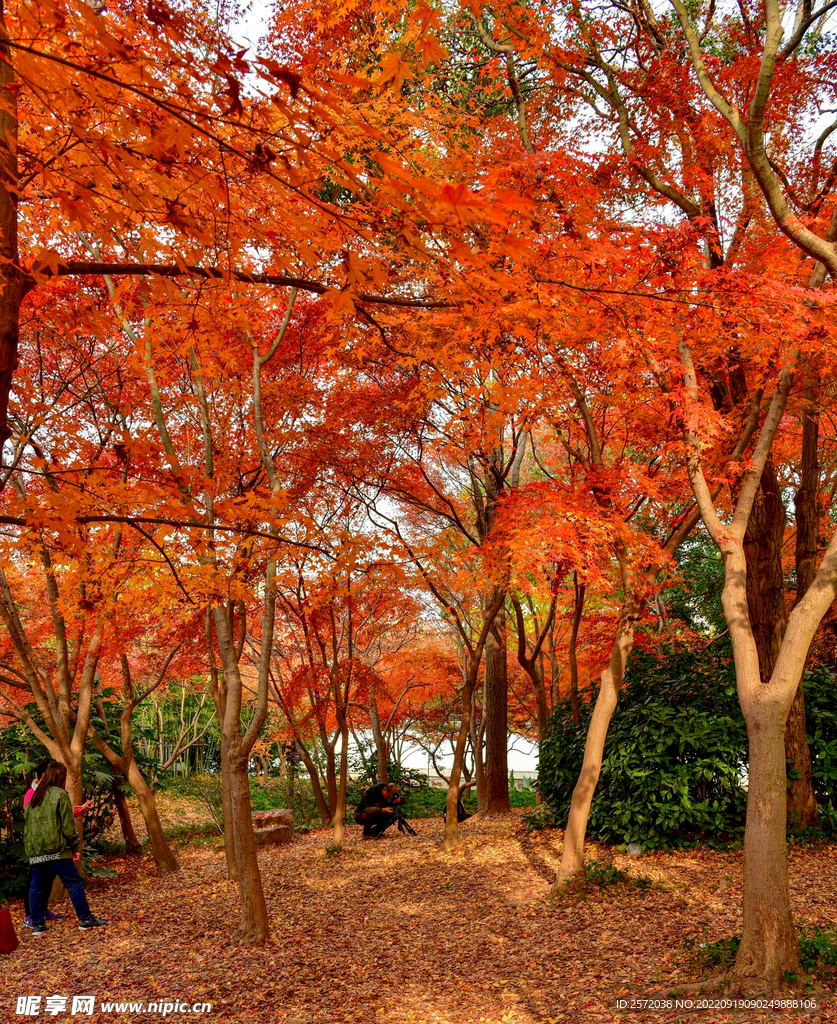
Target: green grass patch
[[817, 952], [194, 835], [721, 953], [605, 876]]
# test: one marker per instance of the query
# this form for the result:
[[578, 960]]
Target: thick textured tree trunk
[[331, 776], [475, 733], [578, 612], [451, 836], [802, 802], [382, 754], [541, 706], [227, 812], [766, 600], [323, 808], [291, 777], [765, 577], [11, 280], [160, 849], [339, 818], [132, 845], [253, 925], [769, 944], [572, 855], [497, 719]]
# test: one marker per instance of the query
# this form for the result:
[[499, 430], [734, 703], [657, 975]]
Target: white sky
[[523, 757], [253, 25]]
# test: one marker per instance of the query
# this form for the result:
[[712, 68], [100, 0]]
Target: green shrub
[[205, 789], [821, 716], [676, 754], [673, 760], [817, 952], [721, 953], [275, 794]]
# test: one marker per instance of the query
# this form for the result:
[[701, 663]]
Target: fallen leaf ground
[[393, 931]]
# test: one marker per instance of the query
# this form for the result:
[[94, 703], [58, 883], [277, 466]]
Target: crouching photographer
[[378, 809]]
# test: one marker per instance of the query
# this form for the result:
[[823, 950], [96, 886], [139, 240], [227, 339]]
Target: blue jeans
[[43, 875]]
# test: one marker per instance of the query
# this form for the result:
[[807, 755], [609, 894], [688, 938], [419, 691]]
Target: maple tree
[[627, 68], [458, 324]]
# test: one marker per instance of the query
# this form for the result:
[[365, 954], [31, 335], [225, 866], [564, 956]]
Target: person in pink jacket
[[77, 813]]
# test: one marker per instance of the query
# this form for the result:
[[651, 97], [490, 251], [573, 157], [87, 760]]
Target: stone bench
[[274, 817], [274, 827]]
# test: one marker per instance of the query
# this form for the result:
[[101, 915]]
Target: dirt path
[[393, 931]]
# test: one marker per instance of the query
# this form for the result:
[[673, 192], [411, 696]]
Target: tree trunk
[[541, 707], [161, 851], [127, 766], [331, 776], [475, 734], [766, 600], [769, 944], [572, 855], [765, 578], [479, 765], [450, 839], [578, 611], [802, 802], [322, 804], [253, 925], [74, 785], [291, 776], [340, 808], [497, 719], [536, 675], [132, 845], [380, 740], [227, 812]]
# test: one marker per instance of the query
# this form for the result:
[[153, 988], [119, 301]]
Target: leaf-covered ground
[[396, 932]]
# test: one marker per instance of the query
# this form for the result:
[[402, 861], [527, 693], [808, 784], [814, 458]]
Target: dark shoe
[[39, 929], [49, 916], [91, 922]]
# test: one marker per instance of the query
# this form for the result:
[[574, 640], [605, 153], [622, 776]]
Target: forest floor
[[394, 931]]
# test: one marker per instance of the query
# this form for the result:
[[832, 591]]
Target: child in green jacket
[[50, 838]]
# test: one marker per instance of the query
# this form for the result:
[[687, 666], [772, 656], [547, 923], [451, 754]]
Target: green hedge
[[675, 759], [821, 716]]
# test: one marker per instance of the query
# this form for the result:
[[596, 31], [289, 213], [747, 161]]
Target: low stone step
[[277, 835]]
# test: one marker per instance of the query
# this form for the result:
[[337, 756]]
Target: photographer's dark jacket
[[373, 802]]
